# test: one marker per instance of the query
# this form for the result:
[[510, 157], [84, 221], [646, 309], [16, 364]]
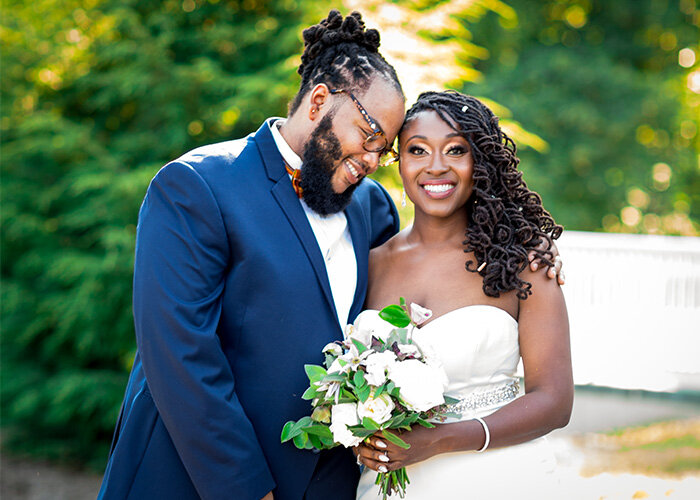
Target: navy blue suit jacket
[[231, 299]]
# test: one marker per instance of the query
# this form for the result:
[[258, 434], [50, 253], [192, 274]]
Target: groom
[[250, 256]]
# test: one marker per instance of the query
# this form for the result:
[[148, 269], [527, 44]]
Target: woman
[[465, 258]]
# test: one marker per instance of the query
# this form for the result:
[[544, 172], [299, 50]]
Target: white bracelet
[[488, 434]]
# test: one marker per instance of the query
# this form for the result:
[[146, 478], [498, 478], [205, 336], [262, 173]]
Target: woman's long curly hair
[[505, 219]]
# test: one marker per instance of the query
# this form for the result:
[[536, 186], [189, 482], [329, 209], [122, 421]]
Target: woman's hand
[[377, 453]]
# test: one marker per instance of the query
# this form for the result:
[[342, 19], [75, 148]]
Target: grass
[[658, 449]]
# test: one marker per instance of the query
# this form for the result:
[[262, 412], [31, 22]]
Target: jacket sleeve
[[182, 254], [385, 217]]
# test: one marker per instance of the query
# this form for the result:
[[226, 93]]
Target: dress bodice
[[479, 350]]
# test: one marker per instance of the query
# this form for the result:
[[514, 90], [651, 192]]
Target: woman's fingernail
[[383, 458], [381, 444], [382, 469], [534, 266]]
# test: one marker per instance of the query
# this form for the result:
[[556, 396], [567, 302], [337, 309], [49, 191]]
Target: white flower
[[339, 366], [343, 415], [378, 409], [376, 365], [420, 314], [368, 324], [351, 360], [333, 348], [421, 385]]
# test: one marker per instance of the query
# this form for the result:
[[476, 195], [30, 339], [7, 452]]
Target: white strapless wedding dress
[[479, 349]]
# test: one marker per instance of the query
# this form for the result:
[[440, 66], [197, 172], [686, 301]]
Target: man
[[238, 283]]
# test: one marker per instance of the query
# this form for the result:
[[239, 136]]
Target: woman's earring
[[403, 198]]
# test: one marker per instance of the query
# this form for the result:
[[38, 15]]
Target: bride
[[465, 258]]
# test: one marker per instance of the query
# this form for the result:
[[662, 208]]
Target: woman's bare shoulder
[[388, 250]]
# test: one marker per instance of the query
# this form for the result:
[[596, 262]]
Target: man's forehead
[[385, 103]]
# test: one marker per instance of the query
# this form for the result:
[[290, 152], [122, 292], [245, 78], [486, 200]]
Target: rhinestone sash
[[480, 400]]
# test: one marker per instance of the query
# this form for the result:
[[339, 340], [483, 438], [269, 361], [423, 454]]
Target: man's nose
[[371, 161]]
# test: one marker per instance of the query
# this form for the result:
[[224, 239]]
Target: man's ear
[[318, 101]]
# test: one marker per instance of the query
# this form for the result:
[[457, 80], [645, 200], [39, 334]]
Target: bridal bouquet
[[378, 378]]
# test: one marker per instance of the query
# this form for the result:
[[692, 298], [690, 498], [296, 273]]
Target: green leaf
[[319, 430], [315, 442], [393, 438], [396, 420], [425, 423], [314, 372], [364, 392], [395, 315], [402, 303], [301, 440], [450, 400], [360, 346], [360, 431], [370, 424], [359, 379], [288, 431], [310, 393]]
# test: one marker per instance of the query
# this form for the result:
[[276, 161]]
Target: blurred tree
[[95, 97], [608, 86]]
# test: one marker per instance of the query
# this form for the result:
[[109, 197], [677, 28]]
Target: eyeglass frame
[[387, 151]]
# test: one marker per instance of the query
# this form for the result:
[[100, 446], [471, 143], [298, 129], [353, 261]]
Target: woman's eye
[[416, 150], [457, 150]]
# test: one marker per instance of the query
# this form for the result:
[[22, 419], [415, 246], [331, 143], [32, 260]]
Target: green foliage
[[601, 83], [95, 98], [396, 315]]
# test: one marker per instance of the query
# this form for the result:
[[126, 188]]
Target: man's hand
[[268, 497], [552, 271]]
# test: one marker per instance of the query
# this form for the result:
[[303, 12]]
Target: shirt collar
[[288, 155]]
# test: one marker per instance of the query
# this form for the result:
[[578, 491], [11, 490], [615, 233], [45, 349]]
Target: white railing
[[634, 309]]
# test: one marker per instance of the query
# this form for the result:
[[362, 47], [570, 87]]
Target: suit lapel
[[360, 242], [284, 194]]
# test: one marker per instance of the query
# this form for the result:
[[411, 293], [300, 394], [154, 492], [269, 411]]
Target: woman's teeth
[[437, 188]]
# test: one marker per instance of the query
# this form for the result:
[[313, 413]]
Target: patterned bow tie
[[296, 179]]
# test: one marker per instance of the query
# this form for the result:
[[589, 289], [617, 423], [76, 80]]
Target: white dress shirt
[[333, 237]]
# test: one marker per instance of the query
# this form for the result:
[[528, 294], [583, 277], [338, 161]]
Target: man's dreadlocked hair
[[506, 219], [342, 54]]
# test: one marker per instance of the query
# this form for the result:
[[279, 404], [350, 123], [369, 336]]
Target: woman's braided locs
[[506, 219]]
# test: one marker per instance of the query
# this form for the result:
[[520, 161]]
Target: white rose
[[420, 314], [378, 409], [343, 415], [422, 386], [368, 324], [376, 365]]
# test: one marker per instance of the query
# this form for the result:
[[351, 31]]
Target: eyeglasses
[[377, 141]]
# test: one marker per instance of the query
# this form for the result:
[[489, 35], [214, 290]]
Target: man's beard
[[321, 155]]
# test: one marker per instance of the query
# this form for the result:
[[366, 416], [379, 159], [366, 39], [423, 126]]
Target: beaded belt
[[479, 400]]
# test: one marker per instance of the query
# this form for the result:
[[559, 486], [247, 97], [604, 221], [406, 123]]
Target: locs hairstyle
[[505, 219], [342, 54]]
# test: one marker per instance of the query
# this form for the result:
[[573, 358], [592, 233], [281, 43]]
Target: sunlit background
[[602, 98]]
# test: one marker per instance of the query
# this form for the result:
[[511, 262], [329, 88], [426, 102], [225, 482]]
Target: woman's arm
[[544, 346]]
